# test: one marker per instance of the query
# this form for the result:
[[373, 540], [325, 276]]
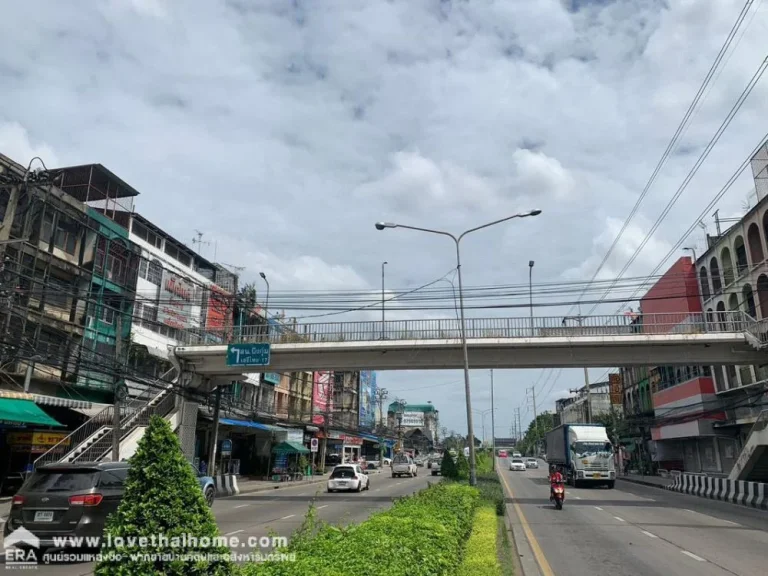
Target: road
[[282, 511], [634, 530]]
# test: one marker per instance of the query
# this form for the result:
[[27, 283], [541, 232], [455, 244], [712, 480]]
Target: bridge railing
[[477, 328]]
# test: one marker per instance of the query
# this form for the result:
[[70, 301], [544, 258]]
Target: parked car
[[60, 500], [403, 465], [419, 462], [348, 477], [517, 464], [437, 467], [532, 463]]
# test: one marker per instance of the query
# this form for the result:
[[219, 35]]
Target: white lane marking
[[598, 508], [649, 534], [398, 483], [377, 489], [242, 506], [619, 519], [323, 506], [577, 497], [729, 522], [233, 533], [289, 516], [692, 555]]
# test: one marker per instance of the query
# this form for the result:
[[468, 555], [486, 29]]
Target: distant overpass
[[600, 341]]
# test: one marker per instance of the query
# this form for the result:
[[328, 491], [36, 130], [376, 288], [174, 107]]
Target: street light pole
[[467, 391], [493, 427], [382, 298], [266, 304], [530, 292]]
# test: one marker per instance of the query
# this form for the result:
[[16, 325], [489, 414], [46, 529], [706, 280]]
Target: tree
[[163, 501], [462, 466], [448, 466], [615, 425]]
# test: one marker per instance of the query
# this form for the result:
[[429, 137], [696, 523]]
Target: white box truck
[[584, 452]]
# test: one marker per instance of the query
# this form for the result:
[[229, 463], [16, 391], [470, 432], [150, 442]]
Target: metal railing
[[102, 420], [477, 328]]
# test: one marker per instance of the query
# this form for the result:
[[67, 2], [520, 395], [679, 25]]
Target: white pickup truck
[[403, 465]]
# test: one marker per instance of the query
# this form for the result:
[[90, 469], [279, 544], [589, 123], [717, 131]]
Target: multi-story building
[[417, 424], [733, 276], [574, 409]]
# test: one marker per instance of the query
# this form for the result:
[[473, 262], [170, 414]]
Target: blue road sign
[[248, 354]]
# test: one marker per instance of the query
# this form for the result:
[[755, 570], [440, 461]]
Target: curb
[[280, 485]]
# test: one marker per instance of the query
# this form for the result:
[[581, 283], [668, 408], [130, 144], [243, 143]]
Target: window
[[155, 273], [113, 479], [64, 481], [66, 235], [57, 293]]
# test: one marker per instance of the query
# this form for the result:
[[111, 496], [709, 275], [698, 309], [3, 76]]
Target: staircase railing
[[103, 419]]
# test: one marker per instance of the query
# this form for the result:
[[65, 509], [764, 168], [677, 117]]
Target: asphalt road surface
[[633, 530], [280, 511]]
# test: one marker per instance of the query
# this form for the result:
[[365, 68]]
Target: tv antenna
[[236, 269], [199, 240]]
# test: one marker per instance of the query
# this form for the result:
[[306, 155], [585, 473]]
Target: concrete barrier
[[226, 485], [752, 494]]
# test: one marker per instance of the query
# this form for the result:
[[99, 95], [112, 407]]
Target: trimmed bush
[[491, 490], [448, 466], [481, 556], [462, 467], [421, 535], [162, 499]]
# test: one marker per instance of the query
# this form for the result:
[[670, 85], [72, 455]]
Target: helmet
[[552, 469]]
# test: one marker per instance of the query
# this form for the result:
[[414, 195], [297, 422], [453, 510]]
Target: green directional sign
[[248, 354]]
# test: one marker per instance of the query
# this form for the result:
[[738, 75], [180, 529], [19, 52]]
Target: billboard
[[322, 396], [617, 394], [218, 308], [367, 395], [176, 299], [413, 419]]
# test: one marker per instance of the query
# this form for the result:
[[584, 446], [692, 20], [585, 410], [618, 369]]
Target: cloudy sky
[[283, 130]]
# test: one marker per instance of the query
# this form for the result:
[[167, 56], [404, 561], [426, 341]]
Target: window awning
[[369, 437], [249, 424], [289, 448], [15, 411]]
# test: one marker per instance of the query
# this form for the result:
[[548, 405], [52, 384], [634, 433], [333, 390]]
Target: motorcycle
[[558, 495]]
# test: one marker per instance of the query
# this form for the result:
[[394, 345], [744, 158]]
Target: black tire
[[329, 490], [611, 484], [434, 473], [415, 473], [359, 487], [393, 474], [210, 496], [559, 504]]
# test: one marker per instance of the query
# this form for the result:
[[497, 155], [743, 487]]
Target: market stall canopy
[[16, 411], [289, 448]]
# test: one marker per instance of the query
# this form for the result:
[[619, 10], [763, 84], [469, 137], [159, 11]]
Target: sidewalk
[[654, 481]]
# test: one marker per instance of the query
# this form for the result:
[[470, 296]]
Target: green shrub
[[448, 467], [162, 498], [484, 462], [481, 556], [462, 467], [421, 535], [491, 490]]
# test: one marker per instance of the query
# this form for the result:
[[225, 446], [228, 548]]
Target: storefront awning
[[369, 437], [249, 424], [289, 448], [16, 411]]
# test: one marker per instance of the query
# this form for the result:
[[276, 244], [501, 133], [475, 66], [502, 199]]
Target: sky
[[284, 129]]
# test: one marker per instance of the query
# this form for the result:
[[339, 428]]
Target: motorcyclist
[[555, 478]]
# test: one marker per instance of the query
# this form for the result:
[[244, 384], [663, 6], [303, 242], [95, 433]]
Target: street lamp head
[[530, 263], [264, 276], [532, 213], [382, 225]]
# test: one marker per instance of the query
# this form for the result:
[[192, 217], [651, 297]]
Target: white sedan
[[348, 477], [517, 464]]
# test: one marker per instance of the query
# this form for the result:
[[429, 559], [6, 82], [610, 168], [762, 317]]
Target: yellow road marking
[[541, 560]]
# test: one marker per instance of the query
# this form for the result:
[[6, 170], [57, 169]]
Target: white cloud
[[285, 130]]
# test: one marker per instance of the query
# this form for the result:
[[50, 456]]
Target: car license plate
[[343, 483], [44, 516], [596, 475]]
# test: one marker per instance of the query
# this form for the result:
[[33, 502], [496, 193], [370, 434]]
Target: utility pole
[[215, 436], [381, 395], [116, 433], [535, 419], [493, 427], [383, 333]]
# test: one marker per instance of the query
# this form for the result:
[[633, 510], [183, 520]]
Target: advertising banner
[[322, 396], [367, 396], [218, 308], [413, 419], [175, 302], [617, 394]]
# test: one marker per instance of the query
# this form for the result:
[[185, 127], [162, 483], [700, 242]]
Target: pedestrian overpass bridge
[[594, 341]]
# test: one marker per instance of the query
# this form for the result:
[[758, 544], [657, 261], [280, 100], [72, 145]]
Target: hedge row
[[481, 556], [421, 535]]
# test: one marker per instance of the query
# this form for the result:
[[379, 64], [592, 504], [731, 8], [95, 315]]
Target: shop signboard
[[617, 393], [322, 396], [295, 435], [367, 395], [413, 419], [271, 377], [226, 447], [36, 442], [353, 441], [176, 299], [217, 314]]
